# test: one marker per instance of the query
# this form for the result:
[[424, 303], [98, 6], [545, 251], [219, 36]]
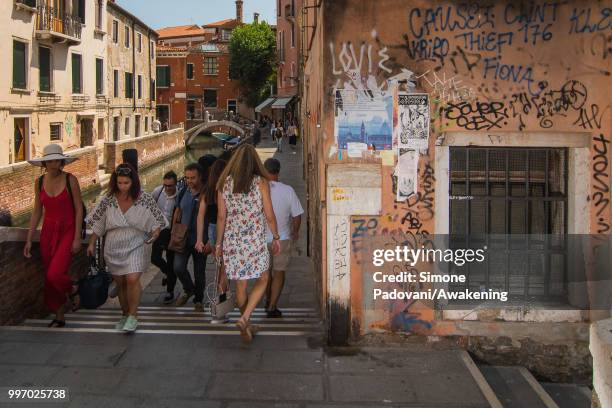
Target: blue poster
[[364, 116]]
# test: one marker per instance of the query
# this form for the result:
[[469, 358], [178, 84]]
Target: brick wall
[[23, 279], [17, 181], [151, 149]]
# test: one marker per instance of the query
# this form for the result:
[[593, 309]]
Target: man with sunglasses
[[165, 196]]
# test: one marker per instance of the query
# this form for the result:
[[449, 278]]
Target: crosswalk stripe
[[150, 331], [200, 317], [259, 309], [181, 324], [191, 312]]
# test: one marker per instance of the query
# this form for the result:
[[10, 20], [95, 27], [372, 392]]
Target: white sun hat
[[52, 152]]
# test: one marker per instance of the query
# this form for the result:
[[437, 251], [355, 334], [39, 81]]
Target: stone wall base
[[23, 279]]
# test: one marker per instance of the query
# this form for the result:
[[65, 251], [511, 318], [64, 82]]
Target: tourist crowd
[[232, 208]]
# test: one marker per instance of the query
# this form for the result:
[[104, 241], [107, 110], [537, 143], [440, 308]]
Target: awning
[[264, 104], [281, 103]]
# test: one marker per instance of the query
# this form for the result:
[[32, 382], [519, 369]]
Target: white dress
[[125, 250]]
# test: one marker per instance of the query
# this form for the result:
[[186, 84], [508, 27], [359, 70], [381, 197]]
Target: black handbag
[[93, 288]]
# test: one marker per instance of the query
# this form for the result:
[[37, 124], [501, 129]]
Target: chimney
[[256, 18], [239, 10]]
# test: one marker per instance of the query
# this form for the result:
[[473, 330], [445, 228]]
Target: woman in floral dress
[[244, 208]]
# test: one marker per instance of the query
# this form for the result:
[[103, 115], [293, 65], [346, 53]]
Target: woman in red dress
[[58, 193]]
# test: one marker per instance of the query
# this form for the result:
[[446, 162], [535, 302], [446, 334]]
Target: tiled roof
[[170, 48], [229, 23], [180, 31]]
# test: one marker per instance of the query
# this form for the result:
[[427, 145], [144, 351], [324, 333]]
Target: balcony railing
[[50, 22]]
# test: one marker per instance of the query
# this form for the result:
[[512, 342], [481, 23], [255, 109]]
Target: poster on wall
[[412, 126], [364, 117], [407, 172]]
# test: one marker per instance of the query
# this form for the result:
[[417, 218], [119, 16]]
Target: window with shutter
[[19, 65], [99, 76], [129, 91], [77, 84], [44, 66]]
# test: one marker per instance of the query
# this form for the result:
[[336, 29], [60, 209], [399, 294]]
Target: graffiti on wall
[[487, 68]]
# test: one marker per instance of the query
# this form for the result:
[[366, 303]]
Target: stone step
[[569, 395], [515, 387], [184, 320]]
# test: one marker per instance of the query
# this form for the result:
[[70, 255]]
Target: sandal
[[57, 323], [245, 331]]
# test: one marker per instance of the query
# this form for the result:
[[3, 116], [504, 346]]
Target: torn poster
[[363, 116], [412, 125], [407, 171], [356, 149]]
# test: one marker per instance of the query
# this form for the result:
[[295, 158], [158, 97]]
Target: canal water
[[151, 177]]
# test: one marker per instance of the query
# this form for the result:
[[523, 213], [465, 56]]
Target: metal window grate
[[514, 201]]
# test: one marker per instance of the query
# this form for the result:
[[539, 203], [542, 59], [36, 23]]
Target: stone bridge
[[225, 126]]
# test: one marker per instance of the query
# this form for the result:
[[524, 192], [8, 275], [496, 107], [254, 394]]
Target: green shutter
[[44, 65], [99, 76], [129, 85], [76, 74], [116, 83], [163, 76], [19, 65]]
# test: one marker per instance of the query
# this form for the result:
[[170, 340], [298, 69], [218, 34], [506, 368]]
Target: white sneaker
[[121, 323], [221, 320], [131, 323]]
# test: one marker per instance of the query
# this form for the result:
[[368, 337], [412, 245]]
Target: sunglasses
[[124, 171]]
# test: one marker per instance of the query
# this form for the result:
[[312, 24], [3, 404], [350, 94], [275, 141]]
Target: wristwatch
[[275, 237]]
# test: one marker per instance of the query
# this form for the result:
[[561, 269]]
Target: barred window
[[514, 202], [55, 132], [210, 66]]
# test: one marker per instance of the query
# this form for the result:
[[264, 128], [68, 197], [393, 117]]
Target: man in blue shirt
[[188, 203]]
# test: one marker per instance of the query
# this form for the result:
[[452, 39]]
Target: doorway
[[86, 132], [20, 141], [163, 114], [232, 106]]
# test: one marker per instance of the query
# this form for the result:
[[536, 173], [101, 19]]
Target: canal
[[151, 176]]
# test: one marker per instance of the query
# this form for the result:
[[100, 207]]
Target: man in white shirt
[[288, 211], [156, 126], [165, 197]]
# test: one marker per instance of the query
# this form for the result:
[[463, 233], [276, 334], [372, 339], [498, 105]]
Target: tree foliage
[[253, 60]]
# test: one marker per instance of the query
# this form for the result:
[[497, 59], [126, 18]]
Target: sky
[[165, 13]]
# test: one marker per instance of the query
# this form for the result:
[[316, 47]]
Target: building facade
[[52, 89], [288, 45], [432, 119], [130, 75], [193, 71], [283, 105]]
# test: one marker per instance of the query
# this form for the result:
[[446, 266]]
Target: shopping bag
[[220, 303]]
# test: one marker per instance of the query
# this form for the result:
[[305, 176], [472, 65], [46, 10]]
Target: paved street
[[196, 364]]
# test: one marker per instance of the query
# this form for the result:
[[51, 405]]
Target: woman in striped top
[[130, 220]]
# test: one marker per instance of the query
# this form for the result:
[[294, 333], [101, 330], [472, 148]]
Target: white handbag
[[221, 304]]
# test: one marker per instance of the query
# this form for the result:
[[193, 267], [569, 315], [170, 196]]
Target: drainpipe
[[150, 72], [133, 66]]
